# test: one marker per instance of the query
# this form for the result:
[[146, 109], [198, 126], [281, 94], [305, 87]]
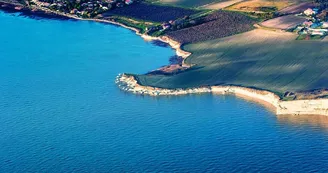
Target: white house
[[318, 30], [128, 2], [308, 23], [309, 12], [317, 33], [324, 25]]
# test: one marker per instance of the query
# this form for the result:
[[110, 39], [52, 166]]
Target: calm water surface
[[61, 111]]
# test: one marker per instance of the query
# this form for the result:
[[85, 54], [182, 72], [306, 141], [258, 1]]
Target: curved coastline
[[296, 107], [129, 83], [173, 44]]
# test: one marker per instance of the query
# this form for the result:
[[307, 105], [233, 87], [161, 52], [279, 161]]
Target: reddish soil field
[[297, 8], [217, 25], [148, 12]]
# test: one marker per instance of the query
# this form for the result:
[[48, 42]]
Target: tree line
[[322, 3]]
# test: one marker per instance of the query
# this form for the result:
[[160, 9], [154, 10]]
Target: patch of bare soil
[[221, 5], [169, 69], [314, 94], [297, 8], [284, 22]]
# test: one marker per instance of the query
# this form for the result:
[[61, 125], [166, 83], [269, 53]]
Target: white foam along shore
[[296, 107], [130, 84]]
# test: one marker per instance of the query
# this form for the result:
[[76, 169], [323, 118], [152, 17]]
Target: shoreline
[[59, 15], [130, 84], [35, 13]]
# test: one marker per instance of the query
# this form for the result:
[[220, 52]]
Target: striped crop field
[[216, 25], [284, 22], [263, 5], [221, 5], [262, 59], [187, 3]]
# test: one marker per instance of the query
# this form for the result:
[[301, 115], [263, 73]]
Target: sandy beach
[[296, 107]]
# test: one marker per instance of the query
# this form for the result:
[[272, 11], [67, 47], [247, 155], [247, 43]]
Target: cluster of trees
[[322, 3], [85, 8], [264, 16], [90, 8], [323, 15], [174, 25]]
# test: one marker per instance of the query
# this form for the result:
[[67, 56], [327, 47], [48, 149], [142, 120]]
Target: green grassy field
[[186, 3], [260, 59]]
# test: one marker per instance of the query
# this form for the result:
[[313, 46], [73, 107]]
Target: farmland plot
[[187, 3], [217, 25], [325, 39], [297, 8], [284, 22], [259, 58], [221, 5], [262, 5], [149, 12]]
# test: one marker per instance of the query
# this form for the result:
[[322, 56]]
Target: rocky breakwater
[[129, 83], [296, 107]]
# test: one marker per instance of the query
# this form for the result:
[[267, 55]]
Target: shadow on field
[[270, 61]]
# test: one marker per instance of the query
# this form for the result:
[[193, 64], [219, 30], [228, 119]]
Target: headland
[[294, 102]]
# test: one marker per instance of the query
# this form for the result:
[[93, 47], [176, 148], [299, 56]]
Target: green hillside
[[263, 59]]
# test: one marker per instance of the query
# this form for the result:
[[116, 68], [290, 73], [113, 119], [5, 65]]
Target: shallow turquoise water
[[61, 111]]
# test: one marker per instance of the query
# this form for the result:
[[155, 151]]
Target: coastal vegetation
[[81, 8], [137, 24], [22, 2]]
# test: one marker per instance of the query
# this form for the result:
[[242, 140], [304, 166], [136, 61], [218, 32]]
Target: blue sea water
[[60, 111]]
